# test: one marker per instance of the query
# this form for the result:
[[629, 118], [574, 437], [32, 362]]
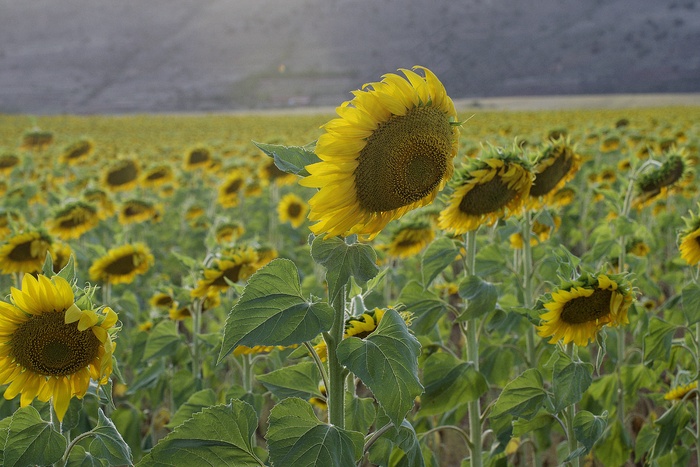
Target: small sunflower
[[410, 239], [122, 264], [135, 211], [391, 151], [157, 176], [77, 152], [212, 299], [637, 247], [229, 232], [162, 300], [230, 188], [690, 240], [655, 184], [557, 163], [541, 232], [24, 252], [486, 190], [100, 198], [73, 220], [292, 209], [197, 158], [49, 347], [7, 163], [266, 253], [37, 140], [235, 265], [122, 175], [320, 402], [679, 392], [576, 312]]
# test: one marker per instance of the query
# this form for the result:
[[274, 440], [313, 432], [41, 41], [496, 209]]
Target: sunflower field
[[397, 284]]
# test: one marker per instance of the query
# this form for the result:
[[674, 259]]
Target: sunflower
[[245, 350], [135, 211], [637, 247], [122, 175], [391, 151], [690, 240], [486, 190], [266, 253], [610, 144], [212, 299], [410, 239], [234, 266], [122, 264], [100, 199], [579, 310], [541, 232], [7, 163], [73, 220], [197, 158], [230, 188], [157, 176], [679, 392], [60, 255], [162, 300], [655, 184], [37, 140], [49, 347], [24, 252], [557, 163], [320, 402], [229, 232], [77, 152], [292, 209]]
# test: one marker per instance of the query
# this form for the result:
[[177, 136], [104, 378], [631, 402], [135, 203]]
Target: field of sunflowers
[[396, 284]]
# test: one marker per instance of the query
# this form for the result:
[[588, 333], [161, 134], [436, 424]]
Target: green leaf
[[387, 363], [296, 437], [105, 442], [147, 378], [219, 435], [4, 431], [481, 296], [406, 439], [31, 440], [343, 261], [449, 383], [195, 403], [359, 413], [569, 381], [588, 428], [670, 423], [426, 306], [300, 380], [290, 159], [522, 397], [439, 254], [272, 311], [644, 442], [162, 340], [79, 457], [657, 342], [691, 302], [68, 271], [614, 449], [522, 427]]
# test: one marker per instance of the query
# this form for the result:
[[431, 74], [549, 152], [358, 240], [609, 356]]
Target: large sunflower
[[122, 264], [24, 252], [486, 190], [690, 240], [410, 239], [556, 165], [49, 347], [292, 209], [73, 220], [391, 151], [579, 310], [236, 265]]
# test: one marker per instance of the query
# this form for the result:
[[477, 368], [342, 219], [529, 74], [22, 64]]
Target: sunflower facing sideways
[[557, 163], [292, 209], [122, 264], [391, 151], [486, 190], [24, 252], [50, 348], [234, 266], [410, 239], [576, 312], [73, 220], [655, 184], [690, 240]]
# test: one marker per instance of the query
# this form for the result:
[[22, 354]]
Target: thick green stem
[[196, 330], [697, 398], [571, 414], [247, 373], [336, 376], [472, 347], [527, 285]]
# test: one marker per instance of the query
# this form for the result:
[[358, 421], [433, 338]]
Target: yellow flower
[[410, 239], [556, 165], [391, 151], [197, 158], [24, 252], [102, 200], [158, 176], [73, 220], [540, 231], [77, 152], [49, 347], [234, 266], [229, 232], [486, 190], [122, 175], [655, 184], [122, 264], [292, 209], [135, 211], [679, 392], [690, 240], [230, 188], [577, 312], [7, 163]]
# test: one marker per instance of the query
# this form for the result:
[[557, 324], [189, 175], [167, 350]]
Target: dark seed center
[[584, 309]]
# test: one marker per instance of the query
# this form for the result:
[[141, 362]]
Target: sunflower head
[[36, 140], [390, 151], [678, 393], [52, 346], [135, 211], [230, 188], [656, 183], [555, 165], [578, 310], [122, 264], [234, 265], [410, 238], [77, 152], [8, 162], [73, 220], [292, 209], [158, 176], [25, 252], [197, 158], [486, 190], [689, 239]]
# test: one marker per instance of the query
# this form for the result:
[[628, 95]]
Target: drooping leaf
[[296, 437], [343, 261], [219, 435], [162, 340], [290, 159], [522, 397], [32, 440], [449, 383], [670, 424], [300, 380], [105, 442], [359, 413], [426, 306], [691, 302], [439, 254], [570, 379], [657, 342], [79, 457], [615, 447], [481, 296], [272, 311], [387, 363], [588, 428], [195, 403]]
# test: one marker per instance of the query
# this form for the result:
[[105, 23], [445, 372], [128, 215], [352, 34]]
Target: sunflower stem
[[196, 329], [247, 373], [336, 376], [472, 348], [697, 397], [571, 413], [527, 283]]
